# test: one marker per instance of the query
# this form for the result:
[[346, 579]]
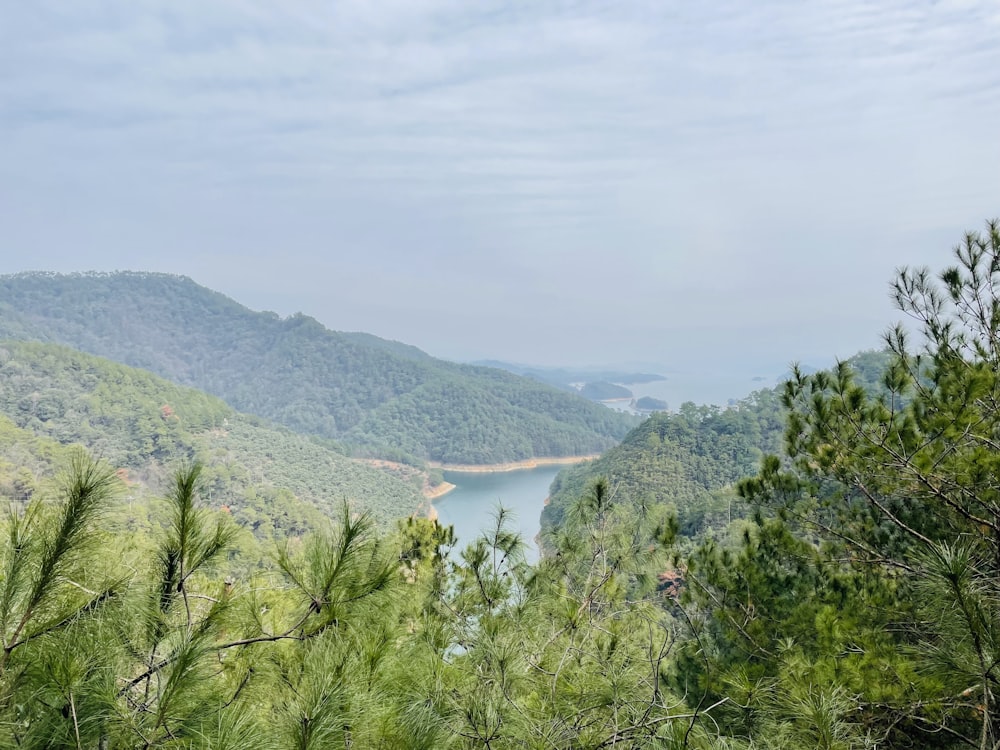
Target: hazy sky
[[546, 182]]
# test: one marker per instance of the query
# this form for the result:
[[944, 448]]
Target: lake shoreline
[[529, 463], [430, 493], [440, 490]]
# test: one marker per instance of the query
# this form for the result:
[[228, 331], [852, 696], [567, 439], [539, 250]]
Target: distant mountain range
[[382, 398]]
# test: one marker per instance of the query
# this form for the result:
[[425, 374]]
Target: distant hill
[[603, 391], [272, 480], [389, 399], [648, 403], [563, 376]]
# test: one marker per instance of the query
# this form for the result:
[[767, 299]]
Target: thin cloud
[[694, 162]]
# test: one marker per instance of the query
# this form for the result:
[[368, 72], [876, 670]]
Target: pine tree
[[892, 496]]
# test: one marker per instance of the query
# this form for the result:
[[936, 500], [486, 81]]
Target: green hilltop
[[386, 399], [686, 460]]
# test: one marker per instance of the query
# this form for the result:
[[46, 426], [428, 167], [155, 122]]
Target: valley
[[274, 479], [771, 537], [499, 375]]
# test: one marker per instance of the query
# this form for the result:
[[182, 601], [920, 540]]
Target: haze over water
[[702, 387]]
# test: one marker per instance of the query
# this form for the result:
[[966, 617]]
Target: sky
[[715, 187]]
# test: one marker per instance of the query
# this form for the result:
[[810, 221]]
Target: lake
[[699, 387], [471, 506]]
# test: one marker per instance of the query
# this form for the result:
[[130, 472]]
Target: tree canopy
[[865, 588], [273, 481]]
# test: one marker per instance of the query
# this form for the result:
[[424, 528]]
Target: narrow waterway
[[471, 506]]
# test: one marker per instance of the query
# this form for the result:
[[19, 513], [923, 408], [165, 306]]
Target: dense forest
[[691, 459], [272, 480], [848, 597], [383, 398], [688, 461]]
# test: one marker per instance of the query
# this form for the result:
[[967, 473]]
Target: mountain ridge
[[385, 398]]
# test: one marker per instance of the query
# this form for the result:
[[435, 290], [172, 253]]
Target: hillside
[[272, 480], [690, 459], [601, 390], [25, 460], [684, 460], [852, 602], [389, 399]]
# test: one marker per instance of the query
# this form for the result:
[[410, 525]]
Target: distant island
[[648, 403], [564, 376], [605, 391]]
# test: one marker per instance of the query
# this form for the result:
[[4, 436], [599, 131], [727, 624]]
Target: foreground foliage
[[859, 606], [352, 641]]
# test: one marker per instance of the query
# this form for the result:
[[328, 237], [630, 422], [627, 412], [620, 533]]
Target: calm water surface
[[471, 506]]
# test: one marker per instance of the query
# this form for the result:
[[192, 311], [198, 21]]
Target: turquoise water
[[471, 506]]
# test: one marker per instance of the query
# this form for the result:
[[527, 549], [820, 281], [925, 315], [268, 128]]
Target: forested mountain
[[388, 398], [272, 480]]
